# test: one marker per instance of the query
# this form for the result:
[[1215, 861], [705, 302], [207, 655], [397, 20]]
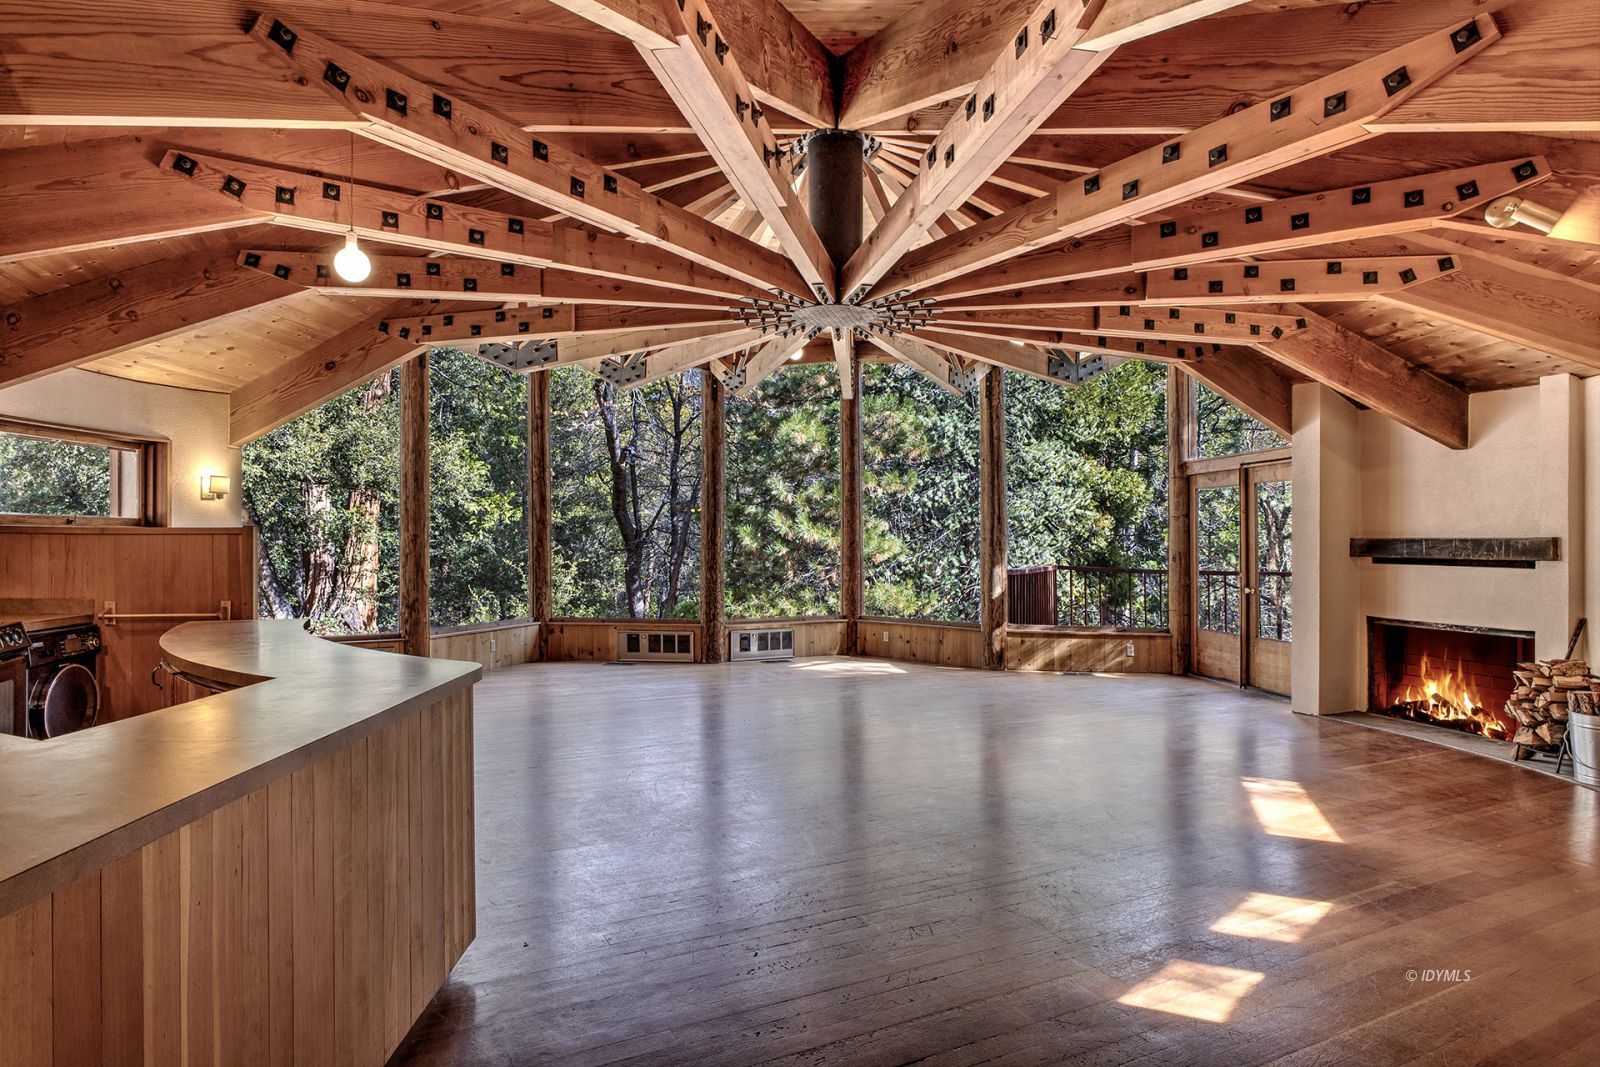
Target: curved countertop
[[72, 805]]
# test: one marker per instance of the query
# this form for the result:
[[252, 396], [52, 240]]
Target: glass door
[[1218, 559], [1269, 563]]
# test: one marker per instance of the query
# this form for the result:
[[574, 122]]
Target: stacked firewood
[[1544, 694]]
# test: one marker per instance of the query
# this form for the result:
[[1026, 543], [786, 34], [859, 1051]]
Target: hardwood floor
[[855, 861]]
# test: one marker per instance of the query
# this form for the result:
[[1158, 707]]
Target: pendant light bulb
[[351, 263]]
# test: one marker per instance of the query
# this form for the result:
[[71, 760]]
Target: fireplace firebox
[[1457, 677]]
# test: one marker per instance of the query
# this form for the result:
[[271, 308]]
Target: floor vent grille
[[654, 646]]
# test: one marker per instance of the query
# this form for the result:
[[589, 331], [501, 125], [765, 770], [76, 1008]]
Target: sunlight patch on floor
[[827, 666], [1273, 918], [1284, 810], [1200, 991]]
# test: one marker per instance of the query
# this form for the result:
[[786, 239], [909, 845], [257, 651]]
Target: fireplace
[[1456, 677]]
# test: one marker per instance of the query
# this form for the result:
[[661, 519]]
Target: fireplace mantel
[[1458, 551]]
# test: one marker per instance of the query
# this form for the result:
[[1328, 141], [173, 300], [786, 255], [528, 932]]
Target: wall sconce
[[1510, 210], [213, 487]]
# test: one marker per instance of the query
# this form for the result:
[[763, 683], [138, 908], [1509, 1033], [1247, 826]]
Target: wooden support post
[[713, 496], [414, 405], [850, 533], [992, 606], [1180, 520], [541, 597]]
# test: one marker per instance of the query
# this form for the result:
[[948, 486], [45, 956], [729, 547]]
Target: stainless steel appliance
[[63, 690], [14, 644]]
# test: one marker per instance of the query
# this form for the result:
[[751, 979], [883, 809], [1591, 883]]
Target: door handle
[[1248, 591]]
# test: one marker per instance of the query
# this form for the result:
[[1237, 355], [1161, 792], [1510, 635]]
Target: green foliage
[[1223, 430], [1087, 470], [478, 537], [783, 496], [626, 496], [919, 497], [323, 492], [41, 476]]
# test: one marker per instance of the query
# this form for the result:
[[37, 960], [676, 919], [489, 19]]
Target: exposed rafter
[[325, 205], [415, 117], [103, 316], [702, 72], [1311, 120]]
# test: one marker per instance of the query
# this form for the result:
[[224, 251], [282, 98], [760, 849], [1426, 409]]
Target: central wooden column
[[992, 603], [835, 165], [713, 495], [414, 405], [541, 596]]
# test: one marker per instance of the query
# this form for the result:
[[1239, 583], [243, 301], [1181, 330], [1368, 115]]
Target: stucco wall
[[196, 423], [1532, 469]]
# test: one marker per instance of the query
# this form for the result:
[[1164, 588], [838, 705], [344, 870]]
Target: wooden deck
[[856, 861]]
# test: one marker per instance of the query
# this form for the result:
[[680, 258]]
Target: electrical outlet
[[492, 645], [886, 635], [1127, 651]]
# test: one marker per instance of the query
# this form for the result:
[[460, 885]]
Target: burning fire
[[1445, 698]]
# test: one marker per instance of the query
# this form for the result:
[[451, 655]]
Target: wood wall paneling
[[144, 570], [309, 921], [1053, 651], [939, 643], [491, 647]]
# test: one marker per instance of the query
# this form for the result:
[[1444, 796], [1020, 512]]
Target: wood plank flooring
[[862, 862]]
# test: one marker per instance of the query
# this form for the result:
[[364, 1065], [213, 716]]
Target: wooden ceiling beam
[[844, 354], [556, 322], [324, 205], [999, 352], [1022, 318], [1400, 205], [671, 359], [932, 363], [701, 71], [1312, 120], [1249, 381], [761, 364], [414, 117], [178, 64], [1368, 374], [460, 278], [1555, 316], [103, 316], [335, 366], [1273, 281], [786, 64], [586, 346], [1198, 325], [1025, 82], [1114, 23]]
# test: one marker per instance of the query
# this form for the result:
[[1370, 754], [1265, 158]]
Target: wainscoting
[[1029, 649], [144, 570]]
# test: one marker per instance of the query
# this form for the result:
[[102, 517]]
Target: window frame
[[155, 502]]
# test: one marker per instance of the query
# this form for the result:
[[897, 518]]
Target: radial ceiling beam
[[103, 316], [1400, 205], [587, 346], [1273, 281], [324, 205], [999, 352], [928, 361], [1368, 374], [1317, 118], [784, 61], [562, 322], [461, 278], [1195, 324], [670, 359], [701, 71], [844, 354], [414, 117], [761, 363], [1551, 315], [1120, 22], [1026, 82]]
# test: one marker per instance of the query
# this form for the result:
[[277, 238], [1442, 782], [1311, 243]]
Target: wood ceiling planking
[[227, 354], [843, 24]]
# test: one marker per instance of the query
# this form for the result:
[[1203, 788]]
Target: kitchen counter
[[279, 869]]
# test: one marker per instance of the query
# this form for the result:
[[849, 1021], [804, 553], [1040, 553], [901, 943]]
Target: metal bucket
[[1583, 735]]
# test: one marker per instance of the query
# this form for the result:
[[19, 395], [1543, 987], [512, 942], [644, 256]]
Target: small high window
[[52, 474]]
